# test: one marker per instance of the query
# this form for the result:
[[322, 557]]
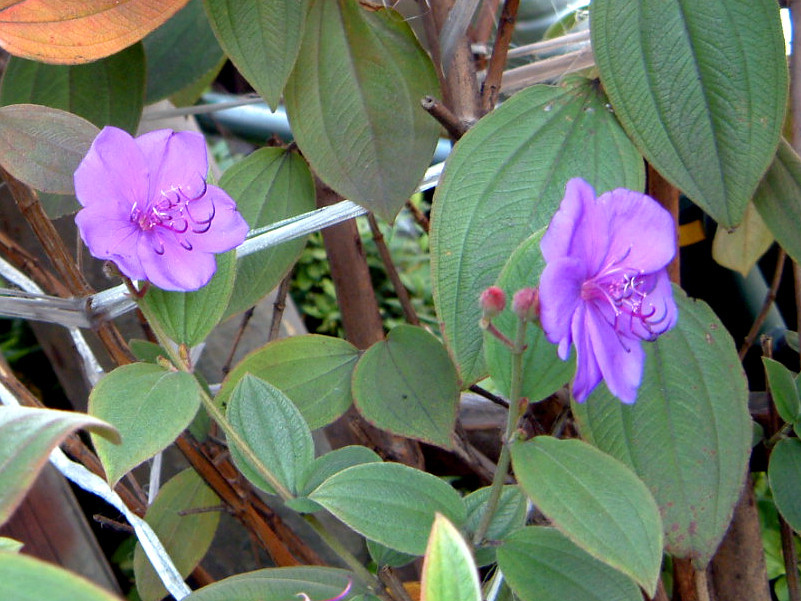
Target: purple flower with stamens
[[147, 207], [605, 285]]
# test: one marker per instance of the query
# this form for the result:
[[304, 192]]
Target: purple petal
[[560, 298], [112, 238], [226, 229], [642, 234], [620, 361], [170, 266], [174, 160], [588, 373], [113, 173], [557, 240]]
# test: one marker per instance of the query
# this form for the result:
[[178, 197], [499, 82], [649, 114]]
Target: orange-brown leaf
[[78, 31]]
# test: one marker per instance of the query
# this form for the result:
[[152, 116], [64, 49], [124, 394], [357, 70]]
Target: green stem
[[513, 416], [212, 409], [368, 578]]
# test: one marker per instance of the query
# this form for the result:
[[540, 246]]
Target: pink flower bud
[[526, 304], [492, 301]]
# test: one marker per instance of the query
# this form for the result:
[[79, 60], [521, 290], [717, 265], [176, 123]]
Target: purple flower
[[147, 207], [605, 287]]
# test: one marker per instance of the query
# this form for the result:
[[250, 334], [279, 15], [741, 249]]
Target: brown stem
[[790, 559], [282, 544], [766, 305], [419, 216], [363, 328], [246, 317], [492, 84], [400, 290], [49, 238], [278, 306], [443, 114], [668, 196], [489, 396], [684, 580], [661, 593]]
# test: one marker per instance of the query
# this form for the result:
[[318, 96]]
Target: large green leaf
[[269, 185], [334, 462], [279, 584], [180, 52], [689, 434], [188, 317], [449, 572], [543, 371], [353, 101], [28, 436], [701, 87], [778, 199], [390, 503], [186, 536], [43, 147], [783, 390], [274, 429], [149, 405], [541, 564], [313, 371], [596, 501], [107, 92], [784, 473], [503, 181], [262, 37], [25, 578], [408, 385]]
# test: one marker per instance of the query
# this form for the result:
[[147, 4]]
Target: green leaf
[[180, 52], [543, 371], [25, 578], [29, 435], [149, 405], [274, 430], [510, 515], [313, 371], [262, 37], [689, 434], [188, 317], [334, 462], [10, 545], [541, 564], [269, 185], [783, 390], [504, 181], [186, 537], [384, 556], [700, 87], [42, 147], [596, 501], [106, 92], [784, 472], [279, 584], [449, 572], [740, 249], [408, 385], [390, 503], [778, 199], [353, 101]]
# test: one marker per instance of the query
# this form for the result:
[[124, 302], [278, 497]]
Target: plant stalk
[[516, 408]]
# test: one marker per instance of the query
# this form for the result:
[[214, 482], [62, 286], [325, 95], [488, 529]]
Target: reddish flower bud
[[492, 301], [526, 304]]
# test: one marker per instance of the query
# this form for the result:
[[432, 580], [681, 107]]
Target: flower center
[[172, 214]]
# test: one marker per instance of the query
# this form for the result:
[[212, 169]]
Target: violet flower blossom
[[147, 207], [605, 286]]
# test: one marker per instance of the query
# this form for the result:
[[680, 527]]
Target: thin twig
[[766, 305], [443, 114], [492, 84], [246, 317], [400, 290], [489, 396], [790, 559], [394, 585], [279, 305], [419, 217], [113, 524]]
